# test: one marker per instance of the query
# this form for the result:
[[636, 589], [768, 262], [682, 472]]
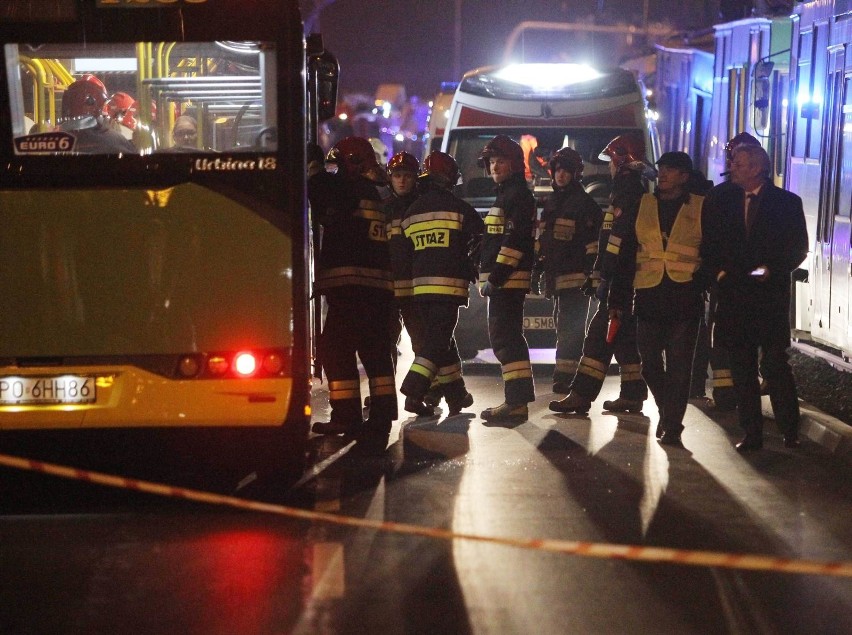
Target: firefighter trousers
[[435, 354], [597, 355], [358, 327], [570, 313], [506, 332]]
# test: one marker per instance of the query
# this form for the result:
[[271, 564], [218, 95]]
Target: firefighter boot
[[574, 402], [456, 406], [334, 427], [506, 412], [623, 405], [412, 404], [433, 397]]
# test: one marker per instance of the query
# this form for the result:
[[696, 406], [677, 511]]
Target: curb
[[823, 429]]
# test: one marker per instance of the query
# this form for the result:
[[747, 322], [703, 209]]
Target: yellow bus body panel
[[128, 397]]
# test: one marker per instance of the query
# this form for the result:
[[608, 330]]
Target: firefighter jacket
[[571, 225], [399, 246], [353, 259], [508, 246], [443, 231], [664, 256], [627, 190]]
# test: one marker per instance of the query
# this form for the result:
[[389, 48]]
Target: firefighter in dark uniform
[[355, 278], [508, 252], [571, 223], [402, 170], [627, 166], [443, 231], [664, 270], [724, 395]]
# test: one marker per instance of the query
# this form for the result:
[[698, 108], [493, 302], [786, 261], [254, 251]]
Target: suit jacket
[[778, 239]]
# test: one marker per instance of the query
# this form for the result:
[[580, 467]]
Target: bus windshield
[[142, 97]]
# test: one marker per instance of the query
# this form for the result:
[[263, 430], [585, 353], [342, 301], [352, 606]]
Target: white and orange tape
[[571, 547]]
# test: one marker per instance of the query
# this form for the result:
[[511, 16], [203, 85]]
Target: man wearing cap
[[664, 256]]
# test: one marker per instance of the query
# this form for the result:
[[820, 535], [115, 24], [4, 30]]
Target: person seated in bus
[[121, 110], [185, 134], [83, 117], [568, 247]]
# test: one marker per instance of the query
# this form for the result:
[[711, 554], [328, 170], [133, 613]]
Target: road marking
[[570, 547]]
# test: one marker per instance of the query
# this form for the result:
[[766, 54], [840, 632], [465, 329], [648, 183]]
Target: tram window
[[803, 96], [65, 94], [844, 191], [820, 62]]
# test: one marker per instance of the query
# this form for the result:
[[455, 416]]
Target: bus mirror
[[327, 74]]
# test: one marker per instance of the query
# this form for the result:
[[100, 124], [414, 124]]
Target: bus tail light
[[237, 364], [245, 364], [217, 365]]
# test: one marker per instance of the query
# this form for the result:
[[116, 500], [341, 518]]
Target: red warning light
[[245, 364]]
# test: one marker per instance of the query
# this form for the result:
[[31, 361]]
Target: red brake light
[[245, 364]]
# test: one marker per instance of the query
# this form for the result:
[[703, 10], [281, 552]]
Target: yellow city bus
[[154, 314]]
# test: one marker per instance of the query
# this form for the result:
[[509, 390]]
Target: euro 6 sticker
[[45, 143]]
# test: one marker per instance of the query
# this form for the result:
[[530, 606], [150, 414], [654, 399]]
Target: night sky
[[411, 41]]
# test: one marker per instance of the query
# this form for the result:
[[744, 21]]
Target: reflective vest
[[679, 257]]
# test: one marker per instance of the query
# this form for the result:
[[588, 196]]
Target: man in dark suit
[[763, 238]]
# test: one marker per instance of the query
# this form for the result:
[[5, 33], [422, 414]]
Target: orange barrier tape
[[587, 549]]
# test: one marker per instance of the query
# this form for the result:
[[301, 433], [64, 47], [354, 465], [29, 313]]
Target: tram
[[155, 251], [787, 80]]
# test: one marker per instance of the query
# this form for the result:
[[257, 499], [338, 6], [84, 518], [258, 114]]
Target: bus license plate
[[539, 323], [47, 390]]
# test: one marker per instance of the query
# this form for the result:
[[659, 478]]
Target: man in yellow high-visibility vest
[[663, 255]]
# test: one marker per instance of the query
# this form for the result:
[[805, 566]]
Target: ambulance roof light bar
[[534, 82], [547, 77]]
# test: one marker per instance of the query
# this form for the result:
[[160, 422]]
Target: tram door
[[836, 199]]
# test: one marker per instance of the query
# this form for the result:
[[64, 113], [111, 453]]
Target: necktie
[[751, 207]]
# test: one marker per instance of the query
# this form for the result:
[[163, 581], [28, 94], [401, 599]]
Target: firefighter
[[571, 223], [444, 232], [83, 104], [354, 276], [403, 169], [625, 154], [663, 270], [508, 252], [724, 396]]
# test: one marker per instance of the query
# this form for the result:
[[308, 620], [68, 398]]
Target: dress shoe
[[419, 408], [671, 438], [456, 406], [750, 443], [571, 403], [506, 412], [792, 441], [623, 405]]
